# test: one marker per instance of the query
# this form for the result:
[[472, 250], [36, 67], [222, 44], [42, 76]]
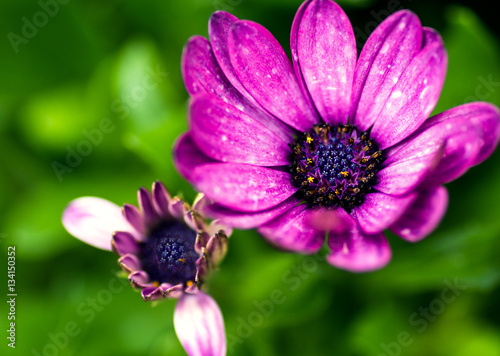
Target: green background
[[84, 65]]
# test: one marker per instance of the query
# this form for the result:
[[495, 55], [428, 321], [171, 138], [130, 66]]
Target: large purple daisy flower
[[329, 142], [167, 250]]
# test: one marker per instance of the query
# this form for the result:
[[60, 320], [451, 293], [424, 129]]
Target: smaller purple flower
[[167, 250]]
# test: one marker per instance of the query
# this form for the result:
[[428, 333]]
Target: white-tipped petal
[[93, 220], [199, 325]]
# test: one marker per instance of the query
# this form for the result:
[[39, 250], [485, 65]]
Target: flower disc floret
[[334, 165], [169, 255]]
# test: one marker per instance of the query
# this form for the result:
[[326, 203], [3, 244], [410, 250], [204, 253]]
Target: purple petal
[[242, 187], [199, 325], [187, 156], [248, 220], [93, 220], [292, 231], [161, 199], [293, 47], [227, 134], [354, 250], [265, 70], [146, 203], [124, 242], [326, 55], [407, 166], [218, 28], [134, 217], [423, 216], [488, 123], [415, 94], [470, 133], [202, 74], [384, 57], [130, 263], [380, 210]]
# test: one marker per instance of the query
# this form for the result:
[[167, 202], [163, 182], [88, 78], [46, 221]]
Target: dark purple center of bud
[[334, 165], [169, 256]]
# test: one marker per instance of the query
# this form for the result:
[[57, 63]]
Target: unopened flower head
[[329, 142]]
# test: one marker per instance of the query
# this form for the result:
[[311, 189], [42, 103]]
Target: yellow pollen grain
[[189, 283], [309, 161], [183, 260], [156, 283], [310, 179], [309, 139], [345, 174]]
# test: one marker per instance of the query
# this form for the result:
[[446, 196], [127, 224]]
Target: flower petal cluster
[[259, 125], [167, 250]]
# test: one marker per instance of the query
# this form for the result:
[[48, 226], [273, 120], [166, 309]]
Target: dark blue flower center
[[169, 256], [334, 165]]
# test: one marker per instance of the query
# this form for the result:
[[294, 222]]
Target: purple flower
[[329, 142], [167, 250]]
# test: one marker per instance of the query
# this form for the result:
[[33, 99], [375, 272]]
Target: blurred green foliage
[[85, 68]]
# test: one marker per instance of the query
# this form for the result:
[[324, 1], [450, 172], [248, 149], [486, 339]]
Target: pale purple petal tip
[[93, 220], [199, 325]]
